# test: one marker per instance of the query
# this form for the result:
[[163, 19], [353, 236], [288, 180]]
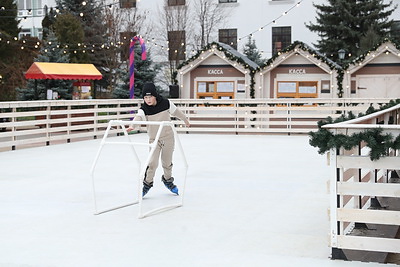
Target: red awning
[[62, 71]]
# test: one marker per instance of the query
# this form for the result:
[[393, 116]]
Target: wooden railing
[[365, 193], [33, 123]]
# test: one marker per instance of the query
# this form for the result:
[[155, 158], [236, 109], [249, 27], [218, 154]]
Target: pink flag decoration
[[132, 63]]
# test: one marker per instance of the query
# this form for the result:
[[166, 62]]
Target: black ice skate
[[170, 185], [146, 188]]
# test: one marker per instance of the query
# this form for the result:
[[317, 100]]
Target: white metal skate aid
[[141, 174]]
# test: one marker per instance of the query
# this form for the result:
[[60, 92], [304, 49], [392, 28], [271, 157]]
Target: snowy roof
[[236, 53], [305, 47], [227, 49]]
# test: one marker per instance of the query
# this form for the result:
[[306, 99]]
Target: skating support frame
[[122, 124]]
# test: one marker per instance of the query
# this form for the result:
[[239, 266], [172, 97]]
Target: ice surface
[[250, 200]]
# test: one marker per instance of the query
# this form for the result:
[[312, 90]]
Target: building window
[[176, 2], [325, 86], [297, 90], [30, 8], [215, 90], [127, 3], [227, 1], [177, 45], [25, 33], [281, 38], [228, 36], [37, 8], [25, 8]]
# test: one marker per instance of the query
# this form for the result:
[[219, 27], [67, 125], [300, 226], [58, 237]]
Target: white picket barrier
[[141, 174]]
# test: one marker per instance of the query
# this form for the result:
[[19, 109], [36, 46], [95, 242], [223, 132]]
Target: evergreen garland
[[378, 143], [366, 53], [304, 47], [339, 79]]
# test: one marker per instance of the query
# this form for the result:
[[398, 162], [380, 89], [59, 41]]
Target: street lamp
[[341, 54]]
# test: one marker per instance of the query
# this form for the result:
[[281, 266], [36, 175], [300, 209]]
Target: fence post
[[48, 124], [288, 119], [69, 122], [13, 128]]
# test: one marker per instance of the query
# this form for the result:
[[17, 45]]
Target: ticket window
[[215, 90], [81, 90], [297, 89]]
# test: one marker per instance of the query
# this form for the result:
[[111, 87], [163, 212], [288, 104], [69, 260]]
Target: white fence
[[33, 123], [365, 196]]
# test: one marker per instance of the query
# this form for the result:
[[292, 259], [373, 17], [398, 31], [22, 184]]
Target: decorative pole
[[132, 63]]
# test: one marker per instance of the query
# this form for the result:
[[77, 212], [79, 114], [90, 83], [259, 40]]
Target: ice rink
[[249, 200]]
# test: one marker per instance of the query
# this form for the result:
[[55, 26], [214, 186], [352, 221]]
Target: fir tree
[[342, 24], [8, 19], [251, 51], [122, 88], [92, 19], [70, 34], [371, 39], [37, 89], [145, 71], [8, 30], [395, 32]]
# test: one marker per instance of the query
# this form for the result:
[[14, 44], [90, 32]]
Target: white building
[[273, 24], [31, 14]]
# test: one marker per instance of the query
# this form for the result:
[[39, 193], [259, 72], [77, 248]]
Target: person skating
[[157, 108]]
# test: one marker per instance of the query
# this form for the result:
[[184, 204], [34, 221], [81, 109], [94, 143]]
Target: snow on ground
[[249, 201]]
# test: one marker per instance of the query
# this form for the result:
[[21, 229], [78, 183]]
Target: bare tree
[[122, 25], [188, 27], [208, 15], [174, 25]]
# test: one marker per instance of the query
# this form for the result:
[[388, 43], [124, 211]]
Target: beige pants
[[164, 147]]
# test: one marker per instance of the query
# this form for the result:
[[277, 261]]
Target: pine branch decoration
[[378, 142]]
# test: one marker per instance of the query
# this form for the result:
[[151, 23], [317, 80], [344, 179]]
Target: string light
[[84, 3], [272, 22]]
